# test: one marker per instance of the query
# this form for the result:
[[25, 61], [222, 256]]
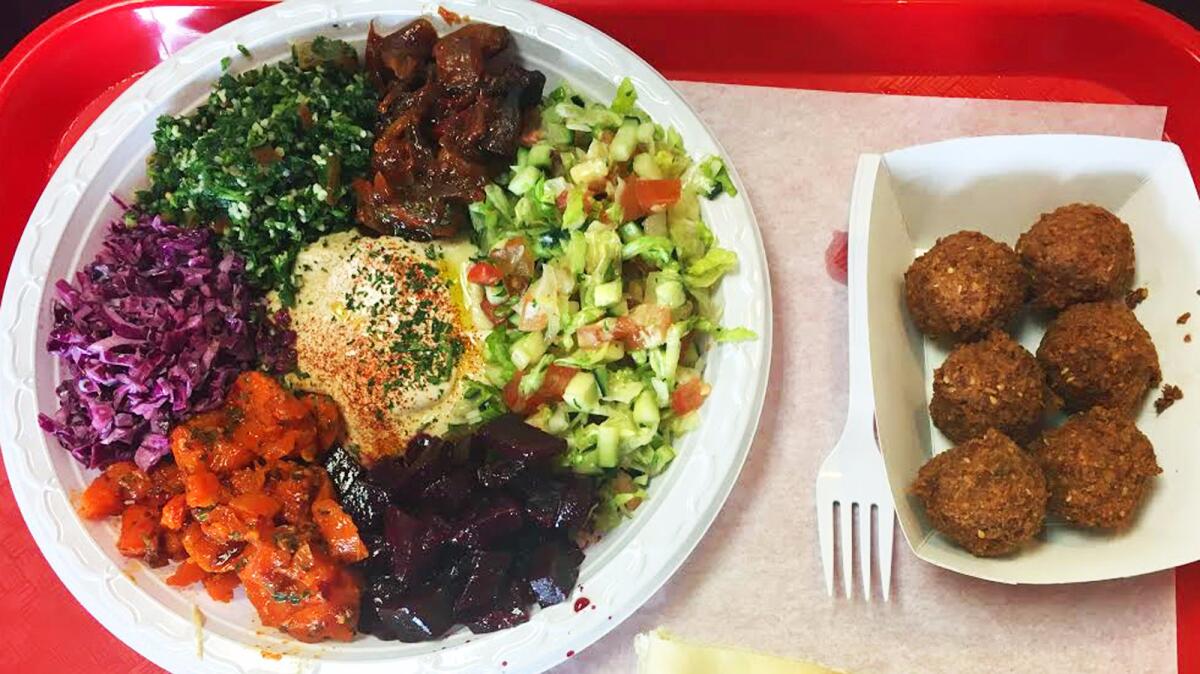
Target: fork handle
[[860, 412]]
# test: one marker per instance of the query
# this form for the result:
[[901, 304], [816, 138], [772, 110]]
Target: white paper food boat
[[1000, 185]]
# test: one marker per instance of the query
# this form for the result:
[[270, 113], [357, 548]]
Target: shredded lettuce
[[625, 99], [706, 271], [709, 178]]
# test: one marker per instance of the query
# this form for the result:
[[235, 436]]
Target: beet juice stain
[[835, 256]]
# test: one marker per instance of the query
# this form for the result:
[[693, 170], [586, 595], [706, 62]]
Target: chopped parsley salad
[[268, 159], [512, 290]]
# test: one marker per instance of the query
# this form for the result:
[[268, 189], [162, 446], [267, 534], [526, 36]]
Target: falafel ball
[[1098, 354], [992, 383], [986, 495], [1077, 253], [1098, 467], [965, 285]]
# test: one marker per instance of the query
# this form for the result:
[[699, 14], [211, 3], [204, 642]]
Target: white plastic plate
[[1000, 185], [133, 602]]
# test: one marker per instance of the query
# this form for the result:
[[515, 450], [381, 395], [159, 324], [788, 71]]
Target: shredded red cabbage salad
[[153, 330]]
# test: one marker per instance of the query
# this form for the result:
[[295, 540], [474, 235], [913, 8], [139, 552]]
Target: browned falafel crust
[[986, 495], [1098, 354], [1077, 253], [1136, 296], [1171, 394], [1098, 467], [992, 383], [965, 285]]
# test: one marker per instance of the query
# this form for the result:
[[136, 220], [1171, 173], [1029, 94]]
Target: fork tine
[[825, 532], [847, 536], [864, 548], [886, 526]]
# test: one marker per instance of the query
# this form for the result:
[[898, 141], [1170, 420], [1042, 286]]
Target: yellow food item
[[662, 653], [381, 328]]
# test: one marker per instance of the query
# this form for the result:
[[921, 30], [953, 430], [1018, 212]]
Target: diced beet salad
[[471, 532]]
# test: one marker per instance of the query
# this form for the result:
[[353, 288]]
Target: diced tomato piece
[[484, 274], [592, 336], [638, 196], [139, 532], [186, 574], [489, 310], [514, 258], [531, 316], [631, 208], [339, 531], [551, 391], [174, 513], [220, 586], [689, 396], [652, 193], [553, 385], [644, 327], [101, 499]]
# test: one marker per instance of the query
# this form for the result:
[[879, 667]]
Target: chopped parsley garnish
[[414, 345], [292, 598], [254, 161]]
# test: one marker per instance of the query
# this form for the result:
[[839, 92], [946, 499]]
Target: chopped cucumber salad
[[597, 275]]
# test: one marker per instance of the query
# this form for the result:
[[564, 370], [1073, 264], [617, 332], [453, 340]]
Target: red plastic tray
[[1113, 51]]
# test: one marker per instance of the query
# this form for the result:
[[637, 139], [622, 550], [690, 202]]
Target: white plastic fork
[[853, 479]]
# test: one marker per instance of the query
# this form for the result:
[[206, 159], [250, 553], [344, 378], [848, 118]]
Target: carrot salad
[[243, 504]]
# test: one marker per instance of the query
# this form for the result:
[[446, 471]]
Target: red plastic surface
[[1118, 51]]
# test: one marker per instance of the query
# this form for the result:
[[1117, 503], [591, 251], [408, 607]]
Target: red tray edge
[[1132, 12]]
